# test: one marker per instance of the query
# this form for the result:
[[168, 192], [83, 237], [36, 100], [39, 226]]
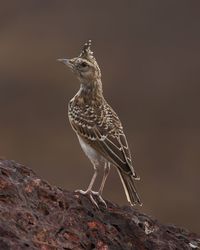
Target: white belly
[[91, 153]]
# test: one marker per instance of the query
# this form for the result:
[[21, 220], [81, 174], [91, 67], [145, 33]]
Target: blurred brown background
[[149, 54]]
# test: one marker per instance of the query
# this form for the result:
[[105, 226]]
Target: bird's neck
[[91, 91]]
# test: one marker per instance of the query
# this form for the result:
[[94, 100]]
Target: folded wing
[[102, 129]]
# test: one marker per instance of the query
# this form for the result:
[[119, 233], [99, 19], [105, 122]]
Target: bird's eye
[[84, 64]]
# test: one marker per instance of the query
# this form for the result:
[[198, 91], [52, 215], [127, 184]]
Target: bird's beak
[[67, 62], [64, 61]]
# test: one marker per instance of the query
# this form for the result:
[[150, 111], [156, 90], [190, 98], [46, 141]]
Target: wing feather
[[105, 134]]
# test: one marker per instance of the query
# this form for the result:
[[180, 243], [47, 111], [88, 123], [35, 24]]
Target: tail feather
[[129, 188]]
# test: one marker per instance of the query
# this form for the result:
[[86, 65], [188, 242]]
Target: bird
[[98, 128]]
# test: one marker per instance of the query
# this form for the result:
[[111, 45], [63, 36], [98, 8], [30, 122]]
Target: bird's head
[[84, 66]]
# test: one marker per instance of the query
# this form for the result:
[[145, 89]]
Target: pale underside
[[96, 159]]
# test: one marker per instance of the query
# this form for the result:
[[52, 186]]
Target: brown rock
[[36, 215]]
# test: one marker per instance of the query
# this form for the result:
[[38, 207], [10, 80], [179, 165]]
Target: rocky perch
[[36, 215]]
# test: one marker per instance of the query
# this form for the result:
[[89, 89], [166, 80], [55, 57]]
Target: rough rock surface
[[36, 215]]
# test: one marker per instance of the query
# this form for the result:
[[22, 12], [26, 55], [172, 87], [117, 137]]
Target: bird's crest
[[86, 52]]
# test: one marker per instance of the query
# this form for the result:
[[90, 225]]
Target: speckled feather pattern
[[101, 128]]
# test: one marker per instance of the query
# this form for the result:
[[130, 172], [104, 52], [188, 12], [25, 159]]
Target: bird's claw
[[93, 201], [81, 191], [90, 193], [102, 200]]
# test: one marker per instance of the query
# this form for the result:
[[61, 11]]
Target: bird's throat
[[91, 90]]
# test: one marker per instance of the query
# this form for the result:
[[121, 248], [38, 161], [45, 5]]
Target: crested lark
[[98, 127]]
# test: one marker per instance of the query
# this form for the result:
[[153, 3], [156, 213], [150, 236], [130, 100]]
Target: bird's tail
[[129, 188]]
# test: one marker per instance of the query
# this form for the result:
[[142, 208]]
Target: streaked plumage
[[98, 127]]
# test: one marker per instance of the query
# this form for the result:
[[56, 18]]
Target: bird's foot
[[90, 193], [101, 199]]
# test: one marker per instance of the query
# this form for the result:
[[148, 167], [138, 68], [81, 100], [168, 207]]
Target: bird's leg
[[89, 189], [92, 180], [105, 175]]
